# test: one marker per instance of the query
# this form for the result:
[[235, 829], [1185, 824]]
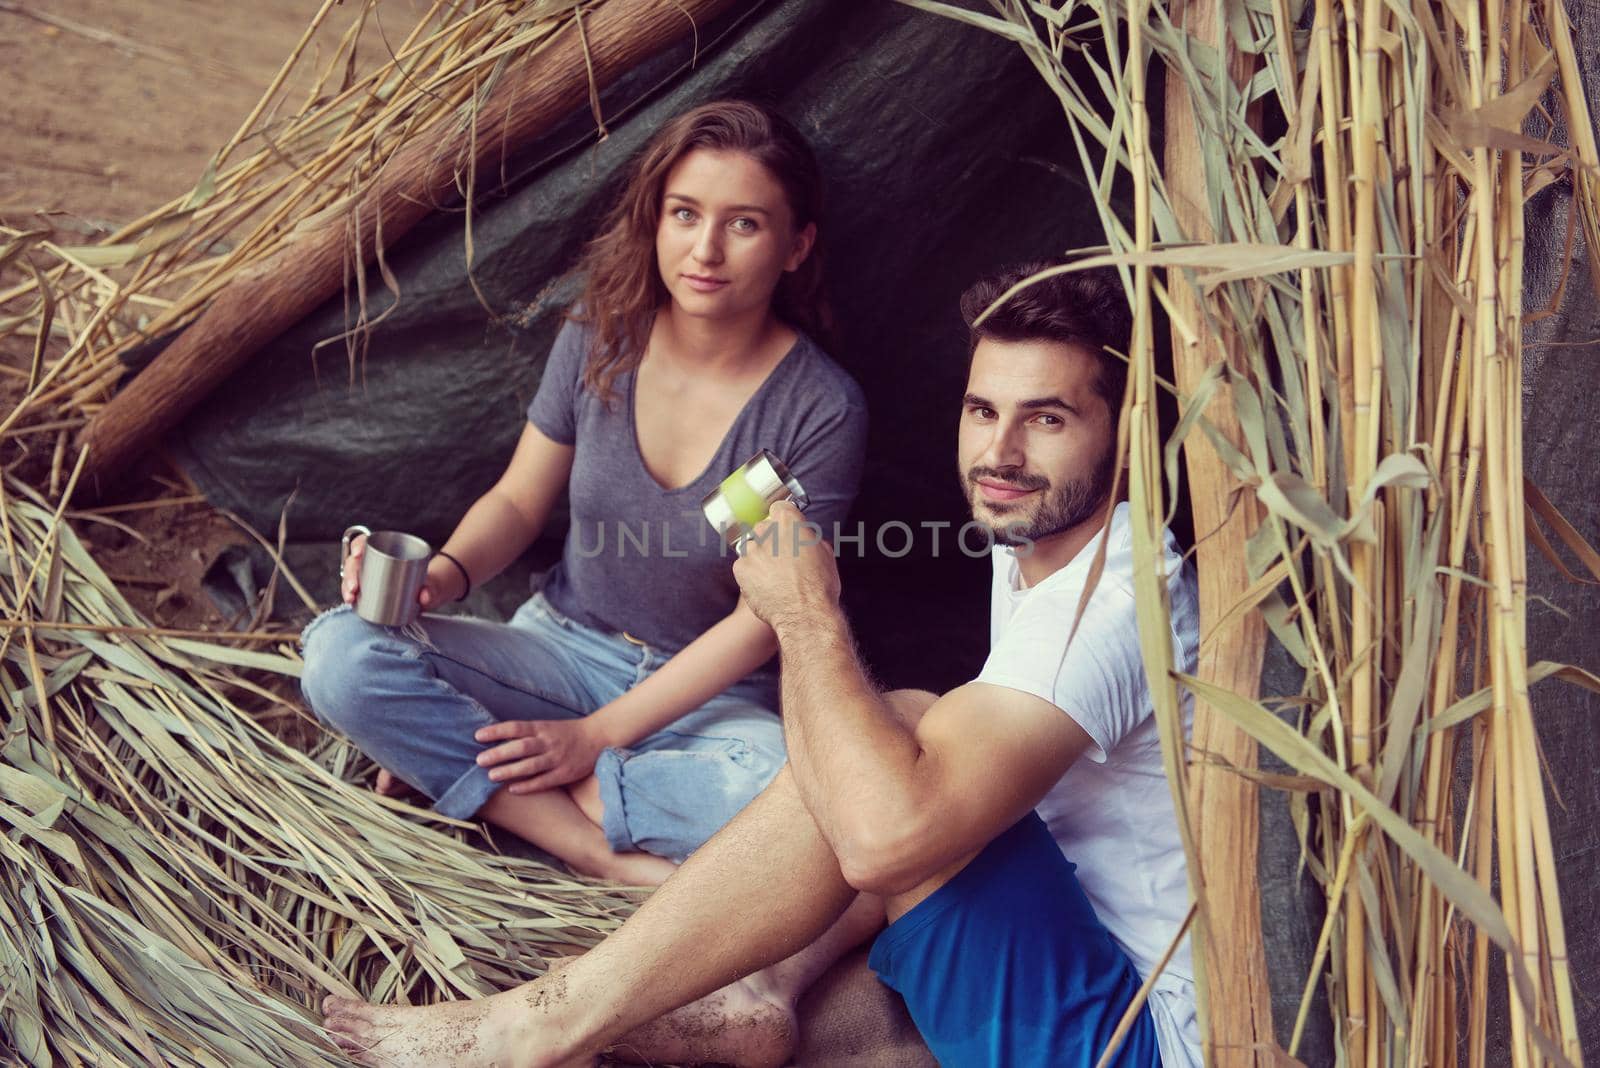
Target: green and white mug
[[745, 498]]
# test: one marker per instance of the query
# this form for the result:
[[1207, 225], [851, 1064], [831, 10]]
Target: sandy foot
[[735, 1026], [745, 1025], [494, 1032]]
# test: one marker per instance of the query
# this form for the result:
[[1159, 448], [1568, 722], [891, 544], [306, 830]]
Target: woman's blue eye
[[683, 214], [744, 224]]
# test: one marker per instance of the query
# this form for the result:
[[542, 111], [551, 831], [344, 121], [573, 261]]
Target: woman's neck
[[713, 345]]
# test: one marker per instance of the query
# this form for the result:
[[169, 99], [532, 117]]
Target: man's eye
[[1050, 420], [981, 412]]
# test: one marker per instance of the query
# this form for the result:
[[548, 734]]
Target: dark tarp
[[1561, 443], [944, 155]]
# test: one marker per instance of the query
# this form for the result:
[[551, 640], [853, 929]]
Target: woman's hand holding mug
[[390, 577], [350, 569], [441, 584]]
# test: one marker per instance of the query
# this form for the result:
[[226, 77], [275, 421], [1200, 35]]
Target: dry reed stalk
[[195, 882], [241, 213]]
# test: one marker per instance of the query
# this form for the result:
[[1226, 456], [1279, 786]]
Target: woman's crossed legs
[[413, 705]]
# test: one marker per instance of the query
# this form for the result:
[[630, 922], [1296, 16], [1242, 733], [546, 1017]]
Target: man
[[963, 814]]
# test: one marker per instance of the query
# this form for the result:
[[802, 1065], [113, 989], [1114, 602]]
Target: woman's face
[[726, 235]]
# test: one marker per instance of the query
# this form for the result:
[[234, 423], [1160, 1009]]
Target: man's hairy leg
[[754, 1022], [762, 889]]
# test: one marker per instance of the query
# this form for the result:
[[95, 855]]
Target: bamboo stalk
[[278, 80]]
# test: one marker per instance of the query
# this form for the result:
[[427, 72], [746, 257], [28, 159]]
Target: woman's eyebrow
[[748, 209]]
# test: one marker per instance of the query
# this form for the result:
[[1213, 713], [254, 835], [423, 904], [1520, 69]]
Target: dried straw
[[180, 882], [278, 174]]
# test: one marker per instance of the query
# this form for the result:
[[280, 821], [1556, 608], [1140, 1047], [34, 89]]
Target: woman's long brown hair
[[623, 288]]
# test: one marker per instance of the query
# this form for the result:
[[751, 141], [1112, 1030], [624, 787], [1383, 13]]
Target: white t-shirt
[[1112, 812]]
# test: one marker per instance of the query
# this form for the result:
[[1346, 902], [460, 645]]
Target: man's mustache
[[1022, 482]]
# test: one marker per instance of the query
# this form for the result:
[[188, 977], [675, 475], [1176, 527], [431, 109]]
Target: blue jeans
[[413, 706]]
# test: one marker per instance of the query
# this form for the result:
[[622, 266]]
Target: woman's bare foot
[[503, 1031]]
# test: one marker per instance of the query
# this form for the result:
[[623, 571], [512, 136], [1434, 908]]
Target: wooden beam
[[263, 301], [1226, 818]]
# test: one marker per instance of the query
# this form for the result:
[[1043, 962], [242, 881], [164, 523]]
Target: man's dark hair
[[1086, 308]]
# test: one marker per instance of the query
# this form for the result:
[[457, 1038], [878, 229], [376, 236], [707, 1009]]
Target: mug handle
[[344, 541]]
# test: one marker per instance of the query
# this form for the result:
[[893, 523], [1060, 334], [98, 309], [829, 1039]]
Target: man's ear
[[803, 242]]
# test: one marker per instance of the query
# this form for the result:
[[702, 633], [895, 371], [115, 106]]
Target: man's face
[[1036, 453]]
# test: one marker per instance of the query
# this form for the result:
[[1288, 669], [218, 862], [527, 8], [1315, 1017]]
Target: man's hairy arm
[[896, 804]]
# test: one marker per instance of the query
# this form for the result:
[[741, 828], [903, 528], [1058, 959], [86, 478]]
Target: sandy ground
[[115, 107]]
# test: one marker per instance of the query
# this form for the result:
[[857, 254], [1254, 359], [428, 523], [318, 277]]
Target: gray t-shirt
[[642, 559]]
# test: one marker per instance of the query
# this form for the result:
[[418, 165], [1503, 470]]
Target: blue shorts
[[1007, 965]]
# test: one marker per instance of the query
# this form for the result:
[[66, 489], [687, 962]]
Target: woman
[[623, 715]]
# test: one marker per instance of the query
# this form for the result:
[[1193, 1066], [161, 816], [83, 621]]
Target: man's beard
[[1060, 507]]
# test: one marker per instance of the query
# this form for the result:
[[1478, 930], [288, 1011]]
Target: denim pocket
[[536, 611], [735, 750], [555, 617]]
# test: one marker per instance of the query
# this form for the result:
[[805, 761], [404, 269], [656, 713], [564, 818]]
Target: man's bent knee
[[897, 905]]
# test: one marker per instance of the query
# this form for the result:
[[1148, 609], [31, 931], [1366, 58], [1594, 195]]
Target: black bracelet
[[461, 568]]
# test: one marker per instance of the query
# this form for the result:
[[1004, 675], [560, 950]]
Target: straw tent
[[1367, 231]]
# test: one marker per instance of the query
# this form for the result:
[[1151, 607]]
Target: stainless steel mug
[[744, 498], [393, 567]]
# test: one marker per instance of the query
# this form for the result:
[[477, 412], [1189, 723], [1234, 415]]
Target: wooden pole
[[1238, 1030], [262, 302]]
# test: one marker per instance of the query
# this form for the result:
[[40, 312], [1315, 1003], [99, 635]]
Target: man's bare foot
[[736, 1025], [745, 1024], [502, 1031]]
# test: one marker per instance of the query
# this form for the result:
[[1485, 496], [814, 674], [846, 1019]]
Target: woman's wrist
[[447, 579], [461, 569], [603, 727]]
